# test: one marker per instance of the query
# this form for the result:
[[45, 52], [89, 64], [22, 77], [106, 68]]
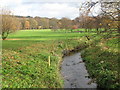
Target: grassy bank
[[102, 61], [26, 56]]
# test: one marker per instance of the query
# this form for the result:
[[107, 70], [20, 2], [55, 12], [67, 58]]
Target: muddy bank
[[76, 49], [74, 72]]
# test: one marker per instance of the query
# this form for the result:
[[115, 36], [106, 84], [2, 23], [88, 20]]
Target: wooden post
[[88, 38], [49, 60]]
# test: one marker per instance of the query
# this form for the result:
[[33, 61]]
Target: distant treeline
[[86, 22]]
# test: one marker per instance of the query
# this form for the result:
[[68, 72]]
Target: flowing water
[[74, 73]]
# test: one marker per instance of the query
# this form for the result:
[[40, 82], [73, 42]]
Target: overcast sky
[[44, 8]]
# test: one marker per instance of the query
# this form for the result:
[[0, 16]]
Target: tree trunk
[[4, 35]]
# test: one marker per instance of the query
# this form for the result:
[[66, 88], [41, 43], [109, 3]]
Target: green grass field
[[29, 37], [26, 53]]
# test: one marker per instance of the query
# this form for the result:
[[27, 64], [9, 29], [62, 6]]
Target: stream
[[74, 72]]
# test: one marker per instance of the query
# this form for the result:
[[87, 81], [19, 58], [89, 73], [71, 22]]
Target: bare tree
[[44, 23], [9, 23], [53, 22], [111, 8], [66, 23], [33, 23], [85, 11]]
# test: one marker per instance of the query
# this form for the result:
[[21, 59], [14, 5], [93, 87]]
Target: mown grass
[[28, 37], [43, 35]]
